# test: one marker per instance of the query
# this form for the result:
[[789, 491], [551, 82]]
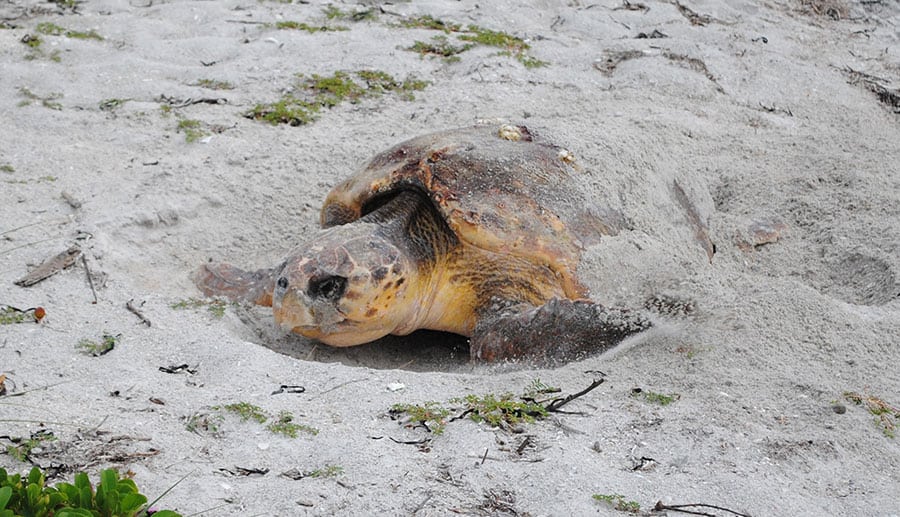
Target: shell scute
[[507, 191]]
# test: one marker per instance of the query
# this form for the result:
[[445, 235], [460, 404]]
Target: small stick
[[70, 199], [50, 267], [484, 458], [130, 306], [87, 271], [682, 508], [525, 443], [555, 404]]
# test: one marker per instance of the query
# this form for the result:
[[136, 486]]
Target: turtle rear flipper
[[237, 284], [561, 330]]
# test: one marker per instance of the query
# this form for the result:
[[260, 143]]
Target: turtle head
[[349, 285]]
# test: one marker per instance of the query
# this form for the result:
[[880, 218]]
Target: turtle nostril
[[327, 287], [282, 282]]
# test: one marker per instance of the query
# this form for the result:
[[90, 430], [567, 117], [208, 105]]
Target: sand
[[778, 116]]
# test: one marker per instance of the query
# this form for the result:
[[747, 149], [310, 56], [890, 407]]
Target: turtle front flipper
[[236, 284], [559, 331]]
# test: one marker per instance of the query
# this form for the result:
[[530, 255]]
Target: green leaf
[[164, 513], [131, 503], [73, 512], [5, 494], [36, 476]]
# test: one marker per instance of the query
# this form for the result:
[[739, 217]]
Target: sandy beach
[[135, 132]]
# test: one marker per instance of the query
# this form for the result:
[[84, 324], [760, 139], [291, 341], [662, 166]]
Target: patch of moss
[[246, 411], [213, 84], [203, 422], [112, 104], [215, 306], [429, 22], [509, 44], [285, 425], [31, 41], [430, 415], [22, 447], [193, 131], [10, 316], [7, 168], [887, 417], [51, 29], [333, 13], [316, 92], [312, 29], [331, 90], [287, 110], [497, 411], [94, 348], [48, 101], [618, 502], [655, 398], [442, 47], [328, 471]]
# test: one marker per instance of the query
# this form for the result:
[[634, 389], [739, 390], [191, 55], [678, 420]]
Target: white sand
[[769, 129]]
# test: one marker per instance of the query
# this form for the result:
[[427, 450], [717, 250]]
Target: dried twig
[[554, 405], [50, 267], [130, 306], [87, 271], [683, 508]]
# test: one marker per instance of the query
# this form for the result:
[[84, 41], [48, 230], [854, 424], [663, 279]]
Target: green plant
[[32, 41], [312, 29], [539, 388], [430, 415], [11, 315], [47, 102], [508, 44], [203, 422], [112, 104], [328, 471], [192, 129], [215, 306], [333, 13], [213, 84], [655, 398], [285, 425], [430, 22], [51, 29], [7, 168], [618, 502], [22, 447], [887, 417], [112, 496], [317, 92], [442, 47], [496, 411], [93, 348], [246, 411]]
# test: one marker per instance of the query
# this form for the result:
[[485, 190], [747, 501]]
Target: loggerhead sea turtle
[[476, 231]]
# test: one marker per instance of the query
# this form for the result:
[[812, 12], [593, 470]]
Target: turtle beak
[[297, 312]]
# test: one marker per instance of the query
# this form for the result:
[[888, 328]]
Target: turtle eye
[[327, 287], [282, 283]]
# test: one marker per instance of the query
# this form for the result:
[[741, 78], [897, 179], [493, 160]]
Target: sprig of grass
[[618, 502], [887, 417], [317, 92]]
